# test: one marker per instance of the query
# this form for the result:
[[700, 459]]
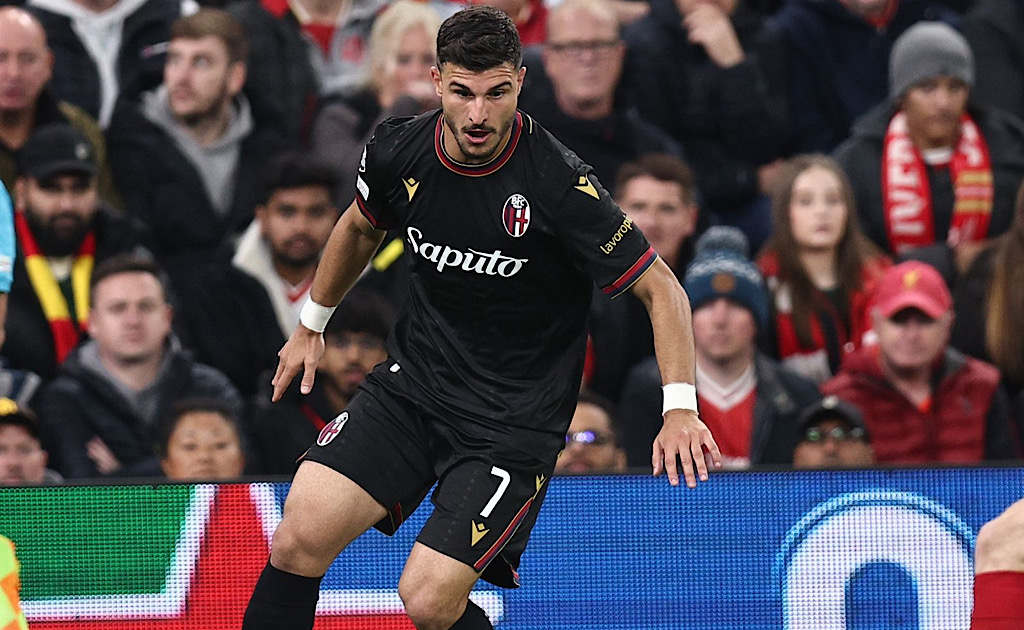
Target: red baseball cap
[[913, 284]]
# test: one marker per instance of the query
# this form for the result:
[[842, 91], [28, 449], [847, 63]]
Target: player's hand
[[302, 351], [685, 436]]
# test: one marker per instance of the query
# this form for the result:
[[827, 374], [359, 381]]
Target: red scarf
[[909, 219], [51, 299]]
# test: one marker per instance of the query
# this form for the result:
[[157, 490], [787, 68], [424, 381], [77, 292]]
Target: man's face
[[590, 445], [910, 340], [204, 445], [583, 56], [933, 108], [479, 108], [22, 459], [296, 223], [60, 210], [723, 330], [348, 358], [658, 209], [26, 64], [832, 447], [200, 78], [130, 318]]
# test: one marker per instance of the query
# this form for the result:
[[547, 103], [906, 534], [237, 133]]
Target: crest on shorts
[[331, 431], [516, 215]]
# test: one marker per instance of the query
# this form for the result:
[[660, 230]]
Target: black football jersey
[[502, 259]]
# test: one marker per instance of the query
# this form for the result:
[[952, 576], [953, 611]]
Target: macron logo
[[486, 264]]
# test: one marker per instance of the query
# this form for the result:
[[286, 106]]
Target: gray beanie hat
[[927, 50]]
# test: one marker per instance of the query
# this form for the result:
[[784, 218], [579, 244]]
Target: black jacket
[[993, 28], [861, 158], [780, 397], [29, 343], [80, 404], [285, 429], [140, 64], [728, 121], [164, 190]]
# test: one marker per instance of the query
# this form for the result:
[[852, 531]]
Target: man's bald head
[[26, 63]]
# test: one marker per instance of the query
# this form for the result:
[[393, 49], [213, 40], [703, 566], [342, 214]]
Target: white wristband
[[314, 316], [678, 396]]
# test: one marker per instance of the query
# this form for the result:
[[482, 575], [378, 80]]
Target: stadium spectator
[[749, 401], [573, 92], [832, 434], [397, 83], [923, 401], [658, 194], [283, 244], [26, 103], [820, 268], [993, 28], [928, 166], [101, 415], [837, 59], [302, 48], [108, 49], [592, 441], [201, 442], [63, 229], [187, 158], [354, 344], [712, 76], [22, 458], [999, 572]]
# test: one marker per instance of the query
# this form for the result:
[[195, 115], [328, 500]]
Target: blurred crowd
[[836, 183]]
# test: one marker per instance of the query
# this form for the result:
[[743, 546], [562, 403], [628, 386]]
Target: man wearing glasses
[[592, 443], [832, 435]]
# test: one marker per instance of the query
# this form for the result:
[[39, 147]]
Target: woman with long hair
[[819, 267]]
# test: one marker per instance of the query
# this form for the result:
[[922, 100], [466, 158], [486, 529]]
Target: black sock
[[473, 619], [282, 601]]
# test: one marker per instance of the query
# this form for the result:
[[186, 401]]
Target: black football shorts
[[487, 496]]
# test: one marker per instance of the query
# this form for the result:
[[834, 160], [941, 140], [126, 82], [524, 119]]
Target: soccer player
[[505, 230]]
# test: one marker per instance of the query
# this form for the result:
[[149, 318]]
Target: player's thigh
[[324, 512], [483, 512], [434, 585]]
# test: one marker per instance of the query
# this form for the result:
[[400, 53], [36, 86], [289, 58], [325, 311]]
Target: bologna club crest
[[333, 428], [516, 215]]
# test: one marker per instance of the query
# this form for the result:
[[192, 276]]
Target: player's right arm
[[350, 247]]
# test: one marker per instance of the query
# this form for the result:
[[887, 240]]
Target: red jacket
[[968, 420], [814, 361]]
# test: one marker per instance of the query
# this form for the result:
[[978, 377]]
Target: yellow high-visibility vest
[[11, 617]]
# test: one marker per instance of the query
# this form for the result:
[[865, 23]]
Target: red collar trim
[[478, 170], [277, 8]]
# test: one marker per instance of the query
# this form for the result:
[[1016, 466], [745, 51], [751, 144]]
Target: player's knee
[[1000, 544], [428, 608], [297, 551]]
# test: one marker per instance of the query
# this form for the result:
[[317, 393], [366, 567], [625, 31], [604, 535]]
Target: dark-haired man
[[502, 223], [283, 244]]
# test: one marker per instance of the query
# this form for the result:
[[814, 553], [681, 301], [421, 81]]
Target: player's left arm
[[682, 434]]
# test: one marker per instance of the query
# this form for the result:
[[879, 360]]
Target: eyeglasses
[[587, 438], [839, 434], [576, 48]]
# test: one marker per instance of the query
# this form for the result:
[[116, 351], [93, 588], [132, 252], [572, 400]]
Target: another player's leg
[[324, 512], [999, 572], [435, 590]]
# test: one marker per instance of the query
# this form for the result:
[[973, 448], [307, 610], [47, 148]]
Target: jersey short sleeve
[[371, 190], [7, 244], [615, 251]]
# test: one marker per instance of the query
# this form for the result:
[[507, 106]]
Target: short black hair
[[296, 169], [662, 167], [587, 397], [479, 38], [129, 262], [362, 311], [196, 404]]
